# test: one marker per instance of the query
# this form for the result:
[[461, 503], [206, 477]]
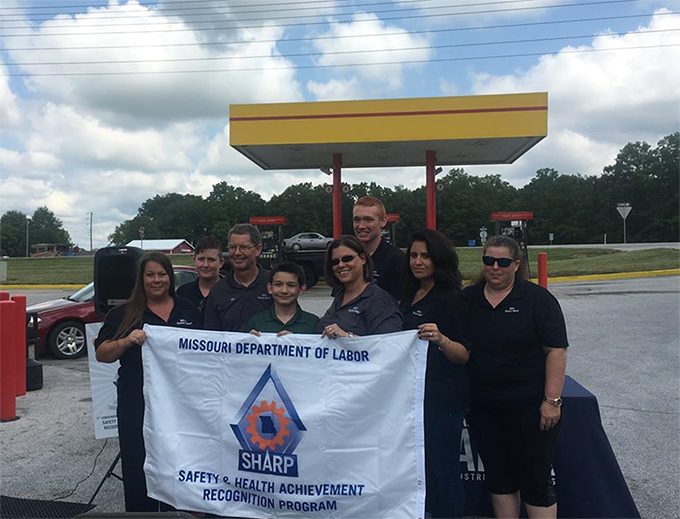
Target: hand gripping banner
[[291, 426]]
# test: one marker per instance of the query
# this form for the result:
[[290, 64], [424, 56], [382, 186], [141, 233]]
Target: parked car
[[307, 240], [61, 322]]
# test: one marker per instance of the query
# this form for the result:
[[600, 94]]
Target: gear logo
[[268, 429]]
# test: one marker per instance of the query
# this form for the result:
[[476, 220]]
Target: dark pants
[[445, 496], [517, 455], [132, 454]]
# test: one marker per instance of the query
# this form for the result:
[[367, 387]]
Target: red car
[[61, 322]]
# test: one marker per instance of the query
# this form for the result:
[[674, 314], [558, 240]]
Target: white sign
[[103, 388], [483, 234], [291, 426], [624, 210]]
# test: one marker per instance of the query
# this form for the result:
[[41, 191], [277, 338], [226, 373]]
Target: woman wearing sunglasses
[[431, 305], [359, 307], [517, 366]]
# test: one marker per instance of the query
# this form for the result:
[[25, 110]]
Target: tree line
[[42, 227], [574, 208]]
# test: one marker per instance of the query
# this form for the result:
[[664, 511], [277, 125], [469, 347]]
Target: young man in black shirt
[[243, 293], [208, 261], [389, 263]]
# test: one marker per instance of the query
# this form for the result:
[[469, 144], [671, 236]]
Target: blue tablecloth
[[588, 480]]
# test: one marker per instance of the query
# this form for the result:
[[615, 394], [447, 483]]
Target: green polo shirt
[[266, 321]]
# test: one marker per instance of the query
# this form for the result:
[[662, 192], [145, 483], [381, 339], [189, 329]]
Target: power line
[[346, 36], [347, 65], [330, 22], [150, 4], [345, 52], [162, 12], [268, 18]]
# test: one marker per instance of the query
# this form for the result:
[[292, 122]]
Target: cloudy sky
[[105, 105]]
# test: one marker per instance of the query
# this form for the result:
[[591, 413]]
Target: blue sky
[[105, 143]]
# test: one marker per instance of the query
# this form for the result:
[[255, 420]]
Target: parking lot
[[625, 348]]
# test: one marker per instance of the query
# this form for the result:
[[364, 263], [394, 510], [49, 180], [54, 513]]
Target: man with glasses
[[242, 293], [389, 263]]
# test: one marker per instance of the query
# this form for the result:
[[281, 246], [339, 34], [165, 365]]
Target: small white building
[[171, 246]]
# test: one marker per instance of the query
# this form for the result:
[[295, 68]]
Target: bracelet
[[440, 348], [557, 402]]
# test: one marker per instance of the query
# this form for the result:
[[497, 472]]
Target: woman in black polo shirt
[[517, 366], [121, 337], [359, 307], [431, 305]]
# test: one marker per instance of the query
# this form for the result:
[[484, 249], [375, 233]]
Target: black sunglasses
[[502, 262], [344, 259]]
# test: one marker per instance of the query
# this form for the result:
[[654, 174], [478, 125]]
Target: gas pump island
[[451, 131]]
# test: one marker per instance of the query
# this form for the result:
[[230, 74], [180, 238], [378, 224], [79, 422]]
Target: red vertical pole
[[543, 269], [4, 296], [431, 199], [8, 403], [337, 195], [20, 343]]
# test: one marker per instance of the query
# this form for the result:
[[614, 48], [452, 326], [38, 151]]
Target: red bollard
[[4, 296], [8, 398], [543, 269], [20, 343]]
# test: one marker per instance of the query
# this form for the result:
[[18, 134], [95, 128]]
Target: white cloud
[[151, 98], [10, 115], [598, 101], [336, 89], [381, 49]]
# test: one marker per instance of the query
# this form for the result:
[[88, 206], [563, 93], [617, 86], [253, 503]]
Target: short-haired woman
[[360, 307], [517, 365], [432, 305], [121, 338]]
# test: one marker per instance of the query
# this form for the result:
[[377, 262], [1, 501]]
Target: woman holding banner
[[121, 338], [360, 306], [431, 305], [519, 356]]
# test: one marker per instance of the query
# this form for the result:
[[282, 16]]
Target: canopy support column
[[337, 195], [431, 199]]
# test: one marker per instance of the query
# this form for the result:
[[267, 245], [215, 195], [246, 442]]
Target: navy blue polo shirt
[[130, 374], [230, 304], [507, 341], [372, 312], [389, 265], [447, 388]]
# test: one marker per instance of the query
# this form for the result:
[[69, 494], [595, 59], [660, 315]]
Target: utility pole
[[91, 217], [27, 222]]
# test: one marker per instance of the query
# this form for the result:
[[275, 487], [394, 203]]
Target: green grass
[[577, 262], [561, 262]]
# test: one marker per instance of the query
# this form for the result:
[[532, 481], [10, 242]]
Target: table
[[588, 480]]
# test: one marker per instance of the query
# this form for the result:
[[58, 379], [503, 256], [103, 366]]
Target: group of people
[[496, 349]]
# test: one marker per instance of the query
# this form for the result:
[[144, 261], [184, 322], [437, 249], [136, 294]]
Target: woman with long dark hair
[[519, 356], [360, 307], [431, 305], [153, 301]]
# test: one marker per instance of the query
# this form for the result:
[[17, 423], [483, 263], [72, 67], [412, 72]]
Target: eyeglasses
[[242, 248], [344, 259], [502, 262]]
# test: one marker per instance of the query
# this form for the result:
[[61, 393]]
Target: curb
[[42, 287], [618, 275]]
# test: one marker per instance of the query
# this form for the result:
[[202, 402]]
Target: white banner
[[103, 388], [292, 426]]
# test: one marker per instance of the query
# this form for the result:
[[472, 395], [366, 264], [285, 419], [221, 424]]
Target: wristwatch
[[557, 402]]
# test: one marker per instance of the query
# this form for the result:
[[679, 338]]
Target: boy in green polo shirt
[[286, 283]]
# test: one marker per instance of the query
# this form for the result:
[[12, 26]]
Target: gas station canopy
[[489, 129]]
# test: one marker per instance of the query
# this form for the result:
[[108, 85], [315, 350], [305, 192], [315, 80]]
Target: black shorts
[[517, 455]]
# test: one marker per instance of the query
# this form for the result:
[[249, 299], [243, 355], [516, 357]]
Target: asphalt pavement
[[625, 348]]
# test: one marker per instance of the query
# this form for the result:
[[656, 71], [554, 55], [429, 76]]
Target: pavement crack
[[639, 410]]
